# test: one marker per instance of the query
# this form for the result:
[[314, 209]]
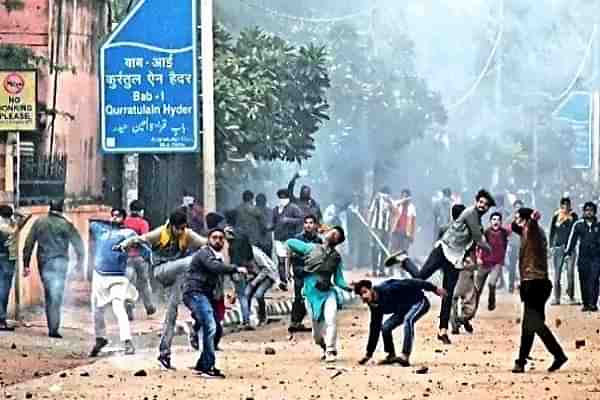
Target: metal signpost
[[576, 110], [18, 113], [149, 81]]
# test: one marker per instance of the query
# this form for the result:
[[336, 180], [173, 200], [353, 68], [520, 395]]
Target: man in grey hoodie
[[449, 252]]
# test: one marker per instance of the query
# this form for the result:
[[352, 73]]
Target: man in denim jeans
[[10, 224], [199, 287], [53, 234]]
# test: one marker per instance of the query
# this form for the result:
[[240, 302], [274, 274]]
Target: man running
[[110, 285]]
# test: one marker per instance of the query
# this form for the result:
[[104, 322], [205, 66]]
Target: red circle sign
[[13, 84]]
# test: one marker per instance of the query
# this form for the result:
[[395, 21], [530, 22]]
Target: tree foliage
[[270, 96]]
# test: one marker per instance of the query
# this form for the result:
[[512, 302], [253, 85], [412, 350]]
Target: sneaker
[[593, 309], [248, 327], [558, 362], [193, 340], [129, 348], [555, 302], [403, 362], [331, 356], [396, 258], [444, 339], [468, 326], [212, 373], [456, 331], [55, 335], [518, 368], [100, 343], [573, 302], [165, 362]]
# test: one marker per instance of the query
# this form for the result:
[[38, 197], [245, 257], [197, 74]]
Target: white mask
[[284, 202]]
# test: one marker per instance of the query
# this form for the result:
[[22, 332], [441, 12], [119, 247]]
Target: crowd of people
[[251, 249]]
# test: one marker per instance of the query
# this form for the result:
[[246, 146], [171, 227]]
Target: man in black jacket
[[587, 232], [560, 229], [405, 300], [199, 287], [308, 235]]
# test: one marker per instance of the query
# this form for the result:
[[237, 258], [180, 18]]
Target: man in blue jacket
[[405, 300], [110, 285]]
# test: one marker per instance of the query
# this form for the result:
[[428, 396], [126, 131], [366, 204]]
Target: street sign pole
[[208, 113]]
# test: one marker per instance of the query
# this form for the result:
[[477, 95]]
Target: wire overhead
[[579, 71], [483, 72], [305, 19]]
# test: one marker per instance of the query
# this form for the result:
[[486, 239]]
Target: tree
[[269, 96], [270, 99]]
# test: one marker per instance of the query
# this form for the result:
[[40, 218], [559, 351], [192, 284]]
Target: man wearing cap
[[287, 223], [201, 281]]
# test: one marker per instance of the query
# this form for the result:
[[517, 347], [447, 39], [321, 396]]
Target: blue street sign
[[148, 80], [576, 110]]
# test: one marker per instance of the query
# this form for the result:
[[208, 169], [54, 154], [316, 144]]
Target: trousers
[[168, 327], [438, 261], [138, 273], [118, 307], [54, 274], [560, 264], [257, 289], [408, 320], [534, 295], [325, 331], [589, 278], [205, 323], [7, 273]]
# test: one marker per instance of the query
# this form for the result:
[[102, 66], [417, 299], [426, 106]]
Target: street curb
[[275, 309]]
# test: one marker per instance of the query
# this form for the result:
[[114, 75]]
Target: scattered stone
[[63, 375], [28, 395], [518, 321], [558, 322], [141, 372], [37, 374], [422, 370], [438, 350], [13, 346], [269, 351], [84, 374], [579, 343]]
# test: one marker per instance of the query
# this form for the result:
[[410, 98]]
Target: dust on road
[[475, 366]]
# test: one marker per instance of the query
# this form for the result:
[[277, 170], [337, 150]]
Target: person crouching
[[405, 300]]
